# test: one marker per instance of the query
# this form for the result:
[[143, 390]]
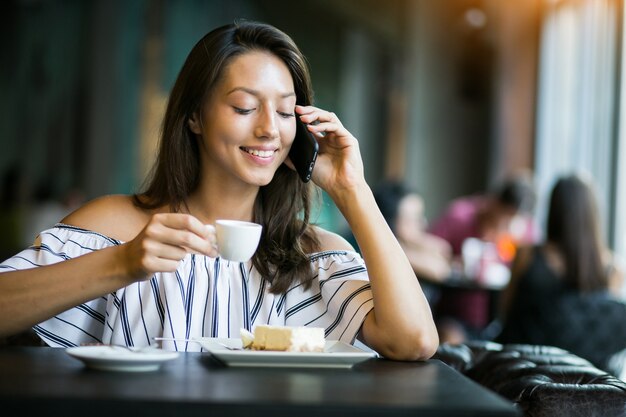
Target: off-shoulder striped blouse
[[204, 297]]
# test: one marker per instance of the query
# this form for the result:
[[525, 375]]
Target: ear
[[194, 124]]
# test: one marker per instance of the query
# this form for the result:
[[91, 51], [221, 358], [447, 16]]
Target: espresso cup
[[237, 240]]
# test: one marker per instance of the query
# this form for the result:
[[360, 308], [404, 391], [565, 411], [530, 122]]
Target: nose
[[267, 125]]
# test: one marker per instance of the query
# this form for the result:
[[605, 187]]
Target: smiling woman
[[126, 269], [256, 123]]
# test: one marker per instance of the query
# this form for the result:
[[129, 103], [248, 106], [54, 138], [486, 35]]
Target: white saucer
[[115, 358]]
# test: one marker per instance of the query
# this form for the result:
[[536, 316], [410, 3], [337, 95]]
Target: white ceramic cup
[[237, 240], [471, 252]]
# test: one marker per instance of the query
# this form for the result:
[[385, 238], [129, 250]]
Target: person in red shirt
[[503, 218]]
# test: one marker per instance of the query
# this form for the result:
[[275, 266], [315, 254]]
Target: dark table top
[[47, 380]]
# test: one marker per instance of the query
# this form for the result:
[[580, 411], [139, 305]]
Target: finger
[[325, 128], [313, 117], [155, 249], [212, 237], [188, 223], [178, 253], [182, 238], [183, 221], [161, 265], [309, 114], [192, 242], [320, 122], [211, 234], [312, 113], [302, 110]]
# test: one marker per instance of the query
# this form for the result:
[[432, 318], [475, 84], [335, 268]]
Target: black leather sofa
[[542, 381]]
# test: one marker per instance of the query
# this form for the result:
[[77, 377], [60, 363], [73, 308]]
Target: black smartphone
[[303, 152]]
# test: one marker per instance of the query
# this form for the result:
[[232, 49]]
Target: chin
[[260, 181], [258, 177]]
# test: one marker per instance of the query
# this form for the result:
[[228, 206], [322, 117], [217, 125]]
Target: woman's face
[[248, 124]]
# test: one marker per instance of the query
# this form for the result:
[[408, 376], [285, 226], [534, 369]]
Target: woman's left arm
[[401, 325]]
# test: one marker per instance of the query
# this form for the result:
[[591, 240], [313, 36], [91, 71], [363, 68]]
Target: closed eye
[[286, 115], [239, 110]]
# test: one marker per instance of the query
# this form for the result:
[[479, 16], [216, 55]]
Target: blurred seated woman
[[564, 292], [428, 254]]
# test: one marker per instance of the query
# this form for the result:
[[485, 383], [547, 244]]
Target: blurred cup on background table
[[471, 253]]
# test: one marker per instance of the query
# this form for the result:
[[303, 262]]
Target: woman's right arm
[[30, 296]]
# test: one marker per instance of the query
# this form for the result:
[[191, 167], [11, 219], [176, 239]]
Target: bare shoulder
[[330, 241], [114, 216]]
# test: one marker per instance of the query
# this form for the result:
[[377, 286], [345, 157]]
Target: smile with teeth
[[259, 153]]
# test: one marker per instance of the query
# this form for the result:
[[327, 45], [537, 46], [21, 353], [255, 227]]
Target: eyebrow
[[257, 93]]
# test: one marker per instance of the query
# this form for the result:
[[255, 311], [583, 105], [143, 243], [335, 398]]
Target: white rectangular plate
[[336, 355]]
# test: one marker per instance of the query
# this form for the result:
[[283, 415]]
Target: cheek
[[219, 121], [287, 133], [225, 132]]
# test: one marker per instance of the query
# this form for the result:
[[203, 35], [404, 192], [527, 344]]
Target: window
[[578, 102]]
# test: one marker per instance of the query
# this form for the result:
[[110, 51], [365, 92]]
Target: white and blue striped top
[[204, 297]]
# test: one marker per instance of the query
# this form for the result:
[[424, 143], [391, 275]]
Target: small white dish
[[336, 354], [116, 358]]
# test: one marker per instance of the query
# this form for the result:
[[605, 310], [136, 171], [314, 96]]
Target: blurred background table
[[470, 302]]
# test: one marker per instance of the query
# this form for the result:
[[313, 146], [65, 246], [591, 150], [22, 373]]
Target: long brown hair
[[573, 225], [283, 205]]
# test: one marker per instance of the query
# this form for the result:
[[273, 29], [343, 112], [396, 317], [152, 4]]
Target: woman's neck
[[211, 203]]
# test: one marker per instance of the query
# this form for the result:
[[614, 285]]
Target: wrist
[[122, 269], [351, 200]]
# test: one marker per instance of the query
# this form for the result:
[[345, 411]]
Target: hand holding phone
[[303, 152]]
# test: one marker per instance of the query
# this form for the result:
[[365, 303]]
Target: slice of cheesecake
[[282, 338]]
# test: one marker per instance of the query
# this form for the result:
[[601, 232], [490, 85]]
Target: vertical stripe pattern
[[203, 297]]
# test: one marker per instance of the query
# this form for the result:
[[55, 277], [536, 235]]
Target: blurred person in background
[[46, 210], [564, 292], [503, 216], [502, 219], [430, 256]]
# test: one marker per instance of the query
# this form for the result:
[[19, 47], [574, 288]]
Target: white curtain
[[577, 98], [619, 225]]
